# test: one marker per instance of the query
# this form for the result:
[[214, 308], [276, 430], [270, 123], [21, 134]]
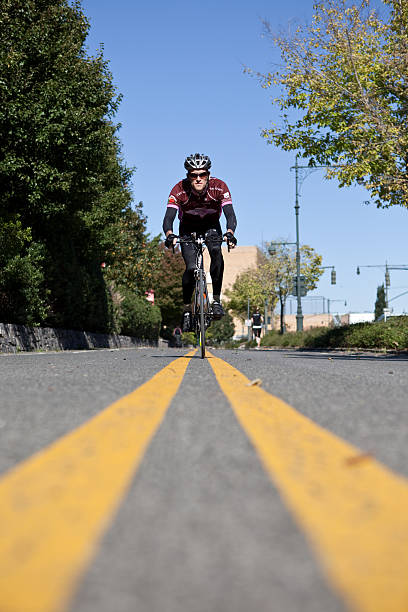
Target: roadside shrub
[[221, 331], [138, 318], [290, 339], [188, 339], [22, 291], [392, 334], [233, 344]]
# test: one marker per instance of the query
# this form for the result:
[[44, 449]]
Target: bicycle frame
[[201, 309], [202, 315]]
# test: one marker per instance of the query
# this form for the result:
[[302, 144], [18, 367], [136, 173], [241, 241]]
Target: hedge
[[138, 317], [392, 334]]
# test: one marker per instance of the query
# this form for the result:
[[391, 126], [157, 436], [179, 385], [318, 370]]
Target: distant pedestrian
[[257, 327], [177, 337]]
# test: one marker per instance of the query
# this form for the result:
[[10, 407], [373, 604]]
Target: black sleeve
[[168, 219], [230, 217]]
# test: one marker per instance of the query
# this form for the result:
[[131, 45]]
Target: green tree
[[131, 266], [167, 287], [137, 317], [283, 262], [250, 285], [222, 330], [22, 294], [61, 170], [380, 302], [343, 95], [273, 279], [134, 259]]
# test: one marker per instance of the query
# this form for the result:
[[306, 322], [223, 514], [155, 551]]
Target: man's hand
[[230, 238], [171, 240]]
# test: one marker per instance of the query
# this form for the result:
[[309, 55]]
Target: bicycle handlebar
[[195, 240]]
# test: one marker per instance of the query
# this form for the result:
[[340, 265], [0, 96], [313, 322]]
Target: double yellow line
[[55, 507]]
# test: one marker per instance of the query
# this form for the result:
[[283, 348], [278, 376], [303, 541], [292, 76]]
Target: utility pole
[[249, 326], [299, 314], [387, 284], [296, 167], [266, 315]]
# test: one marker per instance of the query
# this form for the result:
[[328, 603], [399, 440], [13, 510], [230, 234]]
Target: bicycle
[[202, 312]]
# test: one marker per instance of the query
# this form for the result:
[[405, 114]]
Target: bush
[[221, 331], [233, 344], [390, 335], [188, 339], [138, 318], [274, 338], [22, 291]]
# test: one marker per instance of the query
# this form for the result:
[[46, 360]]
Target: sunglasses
[[196, 175]]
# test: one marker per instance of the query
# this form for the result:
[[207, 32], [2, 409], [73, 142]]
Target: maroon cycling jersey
[[196, 210]]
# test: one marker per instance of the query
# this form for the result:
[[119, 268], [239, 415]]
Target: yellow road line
[[353, 510], [55, 506]]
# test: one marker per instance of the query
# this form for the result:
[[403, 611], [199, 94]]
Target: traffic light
[[302, 286], [333, 277], [387, 278]]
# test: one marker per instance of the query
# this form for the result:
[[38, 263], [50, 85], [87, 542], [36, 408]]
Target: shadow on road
[[175, 356], [350, 357]]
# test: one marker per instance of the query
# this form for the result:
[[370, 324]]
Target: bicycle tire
[[196, 314], [201, 317]]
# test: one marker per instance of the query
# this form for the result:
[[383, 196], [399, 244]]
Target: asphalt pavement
[[202, 527]]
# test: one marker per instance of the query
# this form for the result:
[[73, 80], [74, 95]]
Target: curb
[[19, 338]]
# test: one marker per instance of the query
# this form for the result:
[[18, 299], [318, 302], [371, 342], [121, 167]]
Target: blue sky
[[179, 67]]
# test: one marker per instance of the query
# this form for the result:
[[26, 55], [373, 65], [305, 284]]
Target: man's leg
[[216, 270]]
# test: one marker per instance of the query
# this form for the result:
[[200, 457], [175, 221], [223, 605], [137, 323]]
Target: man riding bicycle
[[199, 200]]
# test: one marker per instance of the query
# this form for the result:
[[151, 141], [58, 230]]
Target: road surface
[[152, 480]]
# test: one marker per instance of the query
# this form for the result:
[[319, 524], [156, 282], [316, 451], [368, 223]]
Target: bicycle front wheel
[[201, 318]]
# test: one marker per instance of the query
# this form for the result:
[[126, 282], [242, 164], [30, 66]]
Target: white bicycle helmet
[[198, 161]]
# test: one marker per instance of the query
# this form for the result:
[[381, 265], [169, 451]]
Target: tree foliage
[[134, 259], [343, 98], [61, 172], [221, 331], [273, 278], [137, 317], [251, 285], [284, 262], [132, 265], [380, 302], [22, 295], [167, 287]]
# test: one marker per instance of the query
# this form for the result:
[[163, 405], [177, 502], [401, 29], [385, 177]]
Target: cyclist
[[199, 200]]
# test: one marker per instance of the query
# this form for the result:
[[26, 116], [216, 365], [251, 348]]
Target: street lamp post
[[296, 167], [249, 323], [266, 315], [299, 314]]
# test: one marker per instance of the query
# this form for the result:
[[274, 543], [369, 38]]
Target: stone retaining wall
[[15, 338]]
